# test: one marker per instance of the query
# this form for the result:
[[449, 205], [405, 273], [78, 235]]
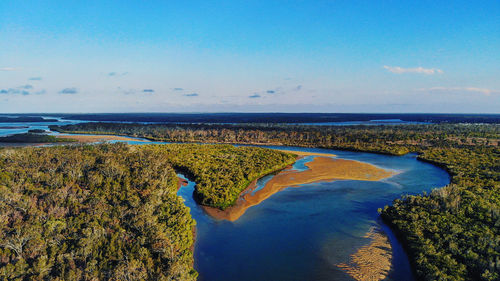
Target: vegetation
[[37, 131], [396, 140], [111, 212], [451, 234], [33, 138], [454, 233], [222, 172]]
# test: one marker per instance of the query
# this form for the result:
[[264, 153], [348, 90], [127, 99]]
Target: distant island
[[19, 119]]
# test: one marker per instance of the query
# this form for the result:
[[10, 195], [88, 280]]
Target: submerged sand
[[97, 138], [370, 262], [320, 169]]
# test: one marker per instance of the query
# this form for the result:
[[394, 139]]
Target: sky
[[249, 56]]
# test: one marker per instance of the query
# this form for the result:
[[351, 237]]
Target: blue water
[[300, 165], [11, 127], [301, 233]]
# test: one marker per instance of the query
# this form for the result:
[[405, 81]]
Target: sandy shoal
[[320, 169], [96, 138], [370, 262]]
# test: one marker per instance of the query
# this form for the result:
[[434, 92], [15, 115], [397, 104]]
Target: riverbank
[[319, 169], [306, 153], [98, 138]]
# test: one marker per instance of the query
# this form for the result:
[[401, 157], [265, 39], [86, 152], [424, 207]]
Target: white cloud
[[9, 68], [483, 91], [420, 70]]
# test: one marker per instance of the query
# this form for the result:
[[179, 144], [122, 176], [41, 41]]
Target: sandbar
[[370, 262], [320, 169], [97, 138]]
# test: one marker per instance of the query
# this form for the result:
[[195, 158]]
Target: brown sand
[[181, 182], [370, 262], [320, 169], [96, 138]]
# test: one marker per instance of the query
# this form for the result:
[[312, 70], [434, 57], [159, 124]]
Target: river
[[303, 233]]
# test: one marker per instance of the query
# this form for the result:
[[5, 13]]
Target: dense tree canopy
[[33, 137], [111, 212], [397, 140], [454, 233], [222, 172]]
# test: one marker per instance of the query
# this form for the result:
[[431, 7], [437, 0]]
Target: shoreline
[[321, 169], [306, 153], [97, 138]]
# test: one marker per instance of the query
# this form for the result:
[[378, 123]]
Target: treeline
[[451, 234], [396, 140], [111, 212], [32, 137]]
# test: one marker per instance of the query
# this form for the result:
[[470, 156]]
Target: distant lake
[[23, 127]]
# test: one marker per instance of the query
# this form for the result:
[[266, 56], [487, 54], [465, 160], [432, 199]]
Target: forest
[[395, 140], [453, 233], [222, 172], [111, 211], [33, 137]]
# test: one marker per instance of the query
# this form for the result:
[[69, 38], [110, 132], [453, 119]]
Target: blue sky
[[252, 56]]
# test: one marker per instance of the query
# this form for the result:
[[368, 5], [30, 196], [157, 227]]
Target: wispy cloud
[[22, 90], [254, 96], [35, 78], [135, 91], [12, 91], [419, 70], [191, 95], [9, 68], [483, 91], [68, 91], [178, 89], [115, 74]]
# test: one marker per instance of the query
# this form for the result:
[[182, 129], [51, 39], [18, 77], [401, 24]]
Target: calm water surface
[[301, 233]]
